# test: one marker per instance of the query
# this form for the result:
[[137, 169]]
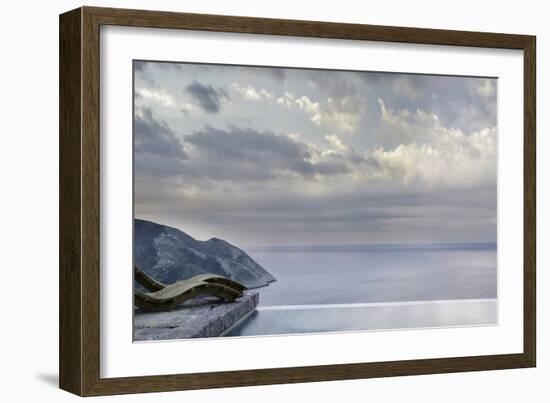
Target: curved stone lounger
[[175, 294], [164, 297], [153, 285], [217, 279], [148, 282]]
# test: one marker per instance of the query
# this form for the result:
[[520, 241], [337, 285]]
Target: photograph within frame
[[292, 176], [80, 319]]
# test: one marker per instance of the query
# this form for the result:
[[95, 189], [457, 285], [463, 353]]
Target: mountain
[[168, 255]]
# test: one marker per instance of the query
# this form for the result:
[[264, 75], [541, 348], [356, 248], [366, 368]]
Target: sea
[[373, 287]]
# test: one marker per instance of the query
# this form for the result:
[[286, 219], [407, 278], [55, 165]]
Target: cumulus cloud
[[157, 97], [454, 160], [344, 152], [422, 150], [207, 97], [294, 156], [419, 151], [250, 93], [287, 100], [428, 154], [404, 126], [342, 114]]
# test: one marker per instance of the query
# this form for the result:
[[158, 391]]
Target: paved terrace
[[206, 317]]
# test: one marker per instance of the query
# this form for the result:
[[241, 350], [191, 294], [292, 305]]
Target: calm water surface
[[360, 274], [349, 288]]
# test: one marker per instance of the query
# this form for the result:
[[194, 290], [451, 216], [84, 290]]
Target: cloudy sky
[[275, 156]]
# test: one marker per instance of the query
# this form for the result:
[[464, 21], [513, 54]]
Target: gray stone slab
[[203, 318]]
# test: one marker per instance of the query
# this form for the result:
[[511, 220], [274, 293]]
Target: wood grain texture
[[317, 29], [70, 274], [530, 202], [80, 200], [90, 202]]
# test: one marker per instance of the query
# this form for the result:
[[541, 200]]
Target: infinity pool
[[371, 316]]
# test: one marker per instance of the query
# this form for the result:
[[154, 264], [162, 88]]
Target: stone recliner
[[163, 297]]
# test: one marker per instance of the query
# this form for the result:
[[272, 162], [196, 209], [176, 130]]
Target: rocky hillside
[[168, 255]]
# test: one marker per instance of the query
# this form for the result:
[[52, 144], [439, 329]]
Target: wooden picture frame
[[79, 347]]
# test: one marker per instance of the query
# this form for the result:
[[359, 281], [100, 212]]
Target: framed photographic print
[[249, 201]]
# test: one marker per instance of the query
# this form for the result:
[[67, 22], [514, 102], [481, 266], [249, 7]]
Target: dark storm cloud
[[336, 84], [139, 66], [238, 143], [142, 71], [154, 137], [330, 168], [256, 154], [156, 147], [277, 73], [208, 98]]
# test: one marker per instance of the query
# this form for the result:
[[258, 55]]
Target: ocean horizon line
[[373, 247]]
